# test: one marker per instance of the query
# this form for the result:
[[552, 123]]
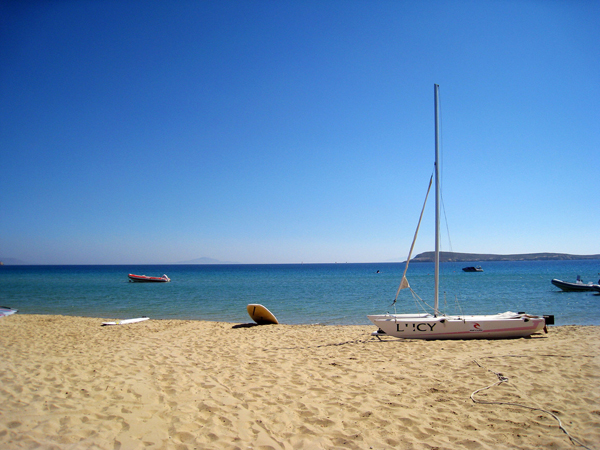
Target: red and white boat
[[145, 279]]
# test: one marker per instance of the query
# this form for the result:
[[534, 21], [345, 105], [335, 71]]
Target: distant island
[[422, 257], [473, 257]]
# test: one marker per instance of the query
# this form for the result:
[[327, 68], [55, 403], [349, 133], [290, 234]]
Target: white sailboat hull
[[427, 326]]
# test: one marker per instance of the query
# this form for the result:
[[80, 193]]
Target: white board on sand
[[126, 321], [261, 315], [6, 311]]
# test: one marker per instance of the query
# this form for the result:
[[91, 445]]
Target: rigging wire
[[441, 168], [446, 222], [441, 189], [404, 282], [420, 303]]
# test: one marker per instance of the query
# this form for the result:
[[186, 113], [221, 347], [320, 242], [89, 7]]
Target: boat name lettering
[[418, 326]]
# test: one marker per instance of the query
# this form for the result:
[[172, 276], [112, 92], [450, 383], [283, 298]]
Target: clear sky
[[295, 131]]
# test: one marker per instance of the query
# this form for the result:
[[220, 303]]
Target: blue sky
[[283, 132]]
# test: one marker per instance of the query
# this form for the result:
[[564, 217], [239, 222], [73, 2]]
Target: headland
[[475, 257]]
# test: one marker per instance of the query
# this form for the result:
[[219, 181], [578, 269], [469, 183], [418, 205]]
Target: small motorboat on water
[[473, 269], [145, 279], [577, 286]]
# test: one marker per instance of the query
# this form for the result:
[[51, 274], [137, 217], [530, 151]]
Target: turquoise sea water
[[329, 294]]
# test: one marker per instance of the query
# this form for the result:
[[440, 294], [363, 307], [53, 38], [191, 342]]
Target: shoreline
[[68, 382], [250, 323]]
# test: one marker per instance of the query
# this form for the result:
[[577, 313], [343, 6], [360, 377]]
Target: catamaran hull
[[427, 326]]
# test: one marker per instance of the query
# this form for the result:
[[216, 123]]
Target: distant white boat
[[441, 326]]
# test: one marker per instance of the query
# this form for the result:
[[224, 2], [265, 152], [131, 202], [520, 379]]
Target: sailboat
[[441, 326]]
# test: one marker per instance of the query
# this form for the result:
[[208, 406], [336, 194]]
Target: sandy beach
[[70, 383]]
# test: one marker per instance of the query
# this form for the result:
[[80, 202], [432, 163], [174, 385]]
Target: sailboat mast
[[436, 293]]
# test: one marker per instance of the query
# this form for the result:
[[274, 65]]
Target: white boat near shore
[[436, 325]]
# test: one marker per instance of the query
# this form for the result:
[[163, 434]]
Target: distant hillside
[[475, 257]]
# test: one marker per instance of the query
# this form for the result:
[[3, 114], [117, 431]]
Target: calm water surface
[[330, 294]]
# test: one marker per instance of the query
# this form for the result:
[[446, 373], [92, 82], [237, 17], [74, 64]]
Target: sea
[[326, 294]]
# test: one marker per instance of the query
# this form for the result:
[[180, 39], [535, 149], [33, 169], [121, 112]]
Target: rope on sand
[[504, 379]]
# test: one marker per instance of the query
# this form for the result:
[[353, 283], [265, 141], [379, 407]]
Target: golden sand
[[69, 383]]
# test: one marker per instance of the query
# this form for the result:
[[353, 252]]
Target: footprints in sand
[[13, 424], [186, 385]]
